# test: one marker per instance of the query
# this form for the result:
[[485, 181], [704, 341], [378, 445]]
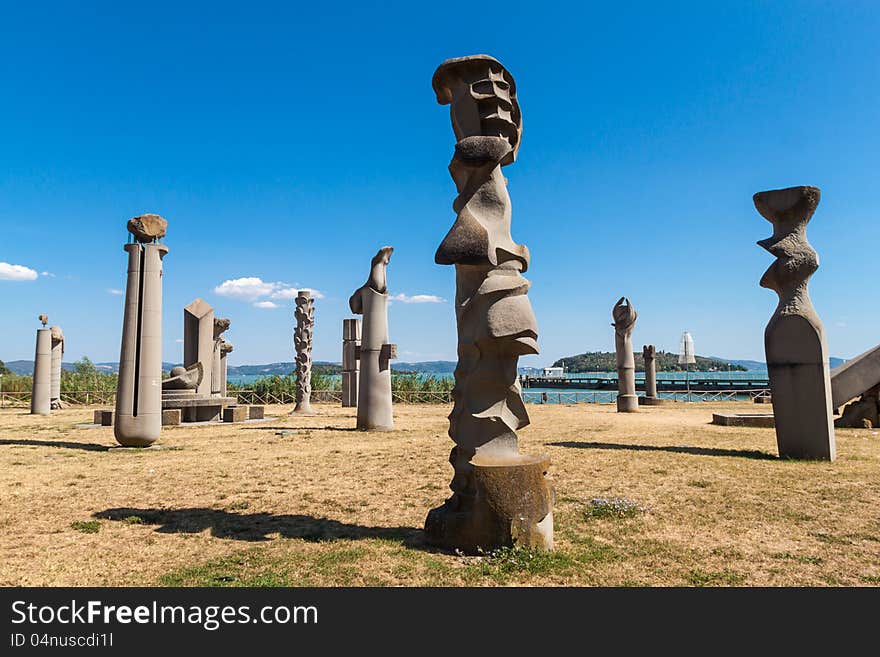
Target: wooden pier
[[696, 382]]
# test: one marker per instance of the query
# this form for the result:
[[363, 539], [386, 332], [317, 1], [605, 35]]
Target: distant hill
[[605, 361]]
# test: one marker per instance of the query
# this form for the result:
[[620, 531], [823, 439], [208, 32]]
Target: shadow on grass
[[90, 447], [257, 526], [683, 449]]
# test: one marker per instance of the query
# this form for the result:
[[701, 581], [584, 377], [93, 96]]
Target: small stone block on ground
[[744, 419], [104, 418], [170, 416], [235, 413], [256, 412]]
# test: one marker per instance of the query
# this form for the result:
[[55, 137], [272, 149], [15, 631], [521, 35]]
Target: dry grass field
[[326, 505]]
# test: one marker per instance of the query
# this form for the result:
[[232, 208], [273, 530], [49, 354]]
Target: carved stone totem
[[375, 353], [624, 321], [351, 344], [500, 497], [138, 418], [41, 390], [302, 343], [218, 373], [649, 354], [57, 358], [794, 340]]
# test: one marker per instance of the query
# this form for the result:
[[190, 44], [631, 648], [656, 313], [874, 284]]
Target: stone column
[[218, 382], [57, 358], [302, 343], [198, 341], [138, 418], [794, 340], [225, 349], [649, 354], [624, 321], [374, 384], [500, 497], [351, 341], [42, 381]]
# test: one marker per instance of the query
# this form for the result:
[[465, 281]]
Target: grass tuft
[[613, 507], [86, 526]]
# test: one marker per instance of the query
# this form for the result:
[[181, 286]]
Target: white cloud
[[47, 273], [418, 298], [253, 288], [114, 291], [249, 288], [10, 272], [291, 292]]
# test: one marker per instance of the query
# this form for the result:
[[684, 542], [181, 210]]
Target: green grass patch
[[86, 526], [724, 577], [801, 558], [133, 520]]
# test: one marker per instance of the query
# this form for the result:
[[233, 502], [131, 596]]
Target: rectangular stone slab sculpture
[[374, 387], [42, 379], [649, 355], [198, 341], [218, 360], [138, 416], [500, 497], [794, 340], [351, 340]]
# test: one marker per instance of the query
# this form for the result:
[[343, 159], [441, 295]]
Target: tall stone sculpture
[[374, 386], [218, 382], [500, 497], [624, 321], [198, 341], [138, 418], [302, 344], [57, 358], [649, 355], [226, 348], [42, 382], [351, 342], [794, 340]]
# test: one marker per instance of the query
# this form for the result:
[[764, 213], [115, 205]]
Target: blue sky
[[289, 142]]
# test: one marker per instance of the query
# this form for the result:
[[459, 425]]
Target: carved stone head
[[482, 96], [221, 325], [624, 316], [44, 319]]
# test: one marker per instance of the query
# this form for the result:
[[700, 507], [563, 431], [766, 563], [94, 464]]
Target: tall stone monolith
[[500, 497], [226, 348], [41, 390], [351, 342], [138, 418], [57, 359], [624, 321], [374, 385], [198, 341], [794, 340], [302, 344], [649, 355], [218, 383]]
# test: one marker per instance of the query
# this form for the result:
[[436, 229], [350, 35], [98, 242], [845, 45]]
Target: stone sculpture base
[[256, 412], [171, 417], [104, 418], [651, 401], [303, 409], [864, 413], [627, 404], [235, 413], [195, 407], [744, 419], [512, 507]]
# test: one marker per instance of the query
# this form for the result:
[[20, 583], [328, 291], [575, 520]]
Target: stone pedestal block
[[104, 418], [256, 412], [171, 416], [235, 413]]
